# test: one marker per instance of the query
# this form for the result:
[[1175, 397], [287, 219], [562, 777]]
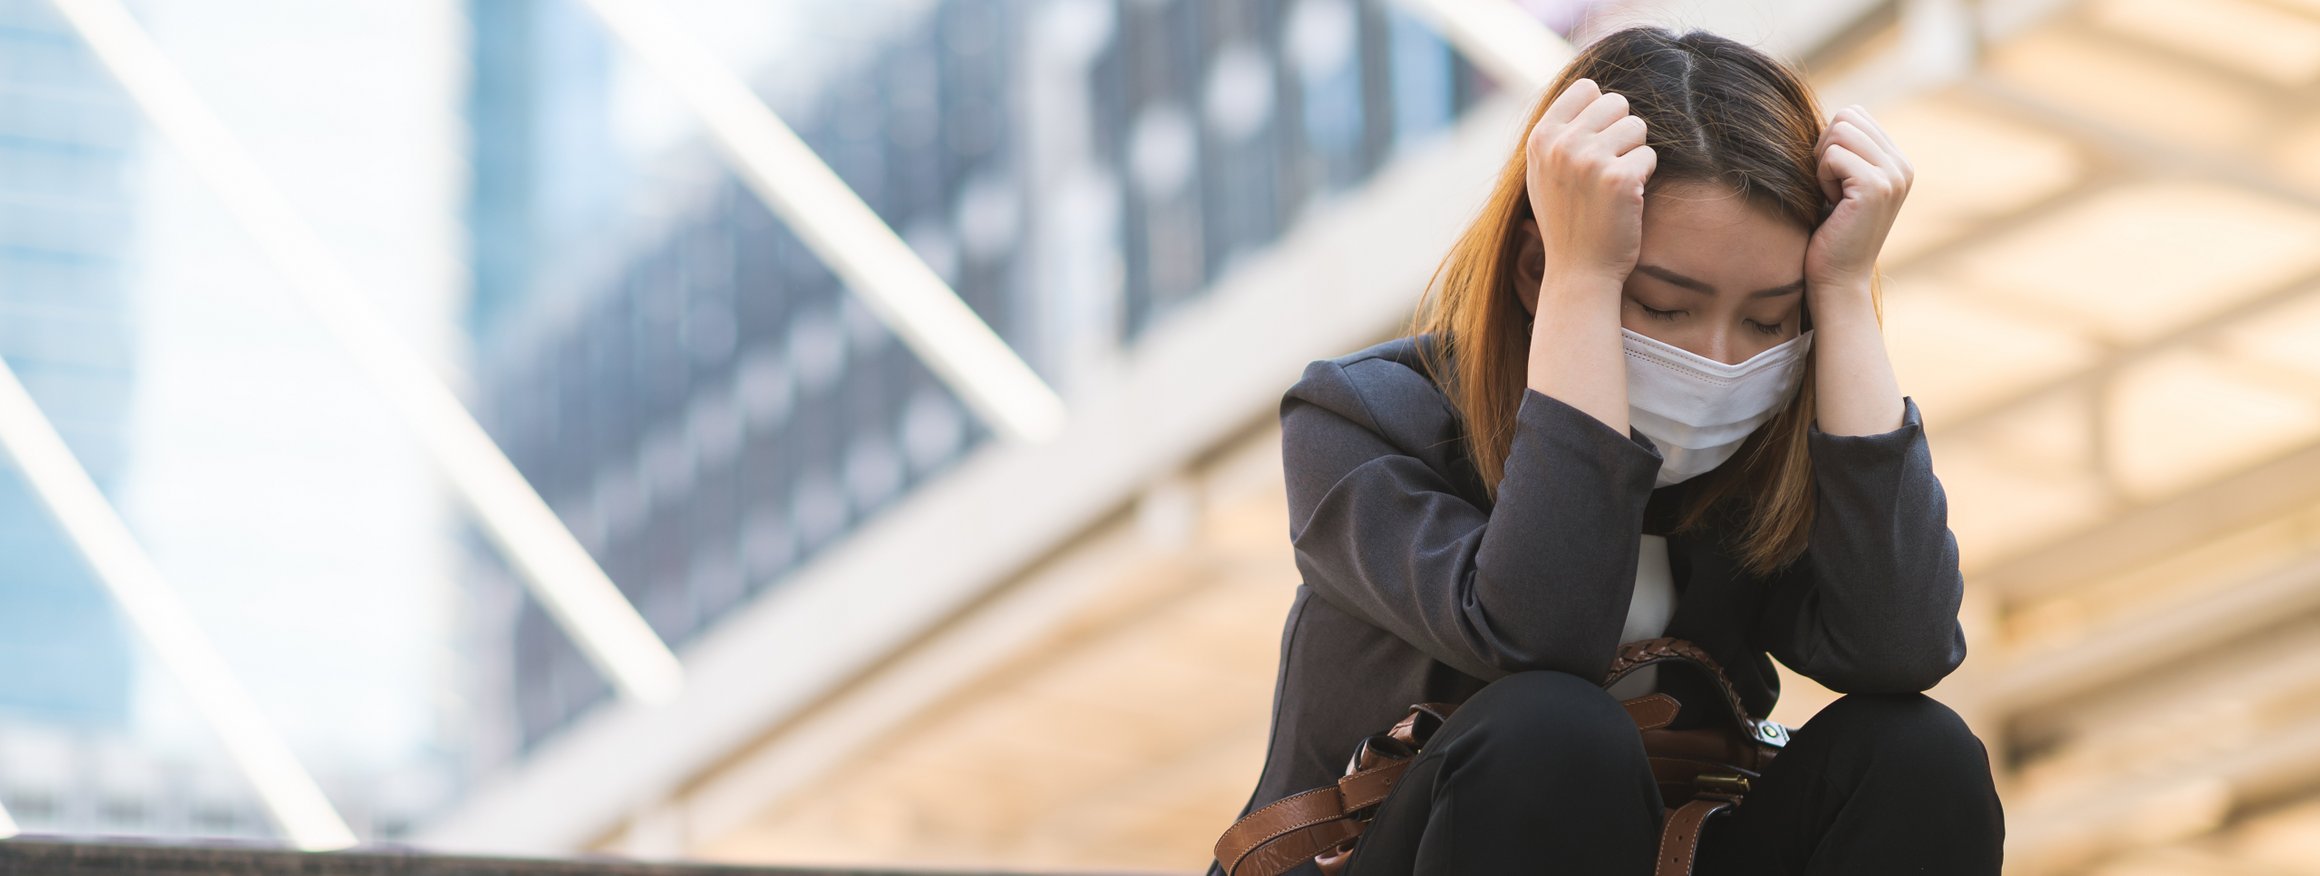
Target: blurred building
[[68, 146], [709, 409], [273, 492], [546, 175], [713, 413]]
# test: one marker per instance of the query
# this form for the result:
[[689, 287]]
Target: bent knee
[[1917, 726]]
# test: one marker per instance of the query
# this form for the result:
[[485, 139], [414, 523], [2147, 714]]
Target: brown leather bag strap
[[1293, 829], [1645, 652], [1679, 838]]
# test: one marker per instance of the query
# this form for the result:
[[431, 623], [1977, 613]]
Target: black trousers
[[1543, 772]]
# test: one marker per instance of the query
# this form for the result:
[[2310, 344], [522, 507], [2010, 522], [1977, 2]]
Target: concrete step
[[121, 856]]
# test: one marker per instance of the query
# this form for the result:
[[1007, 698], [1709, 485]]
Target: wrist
[[1580, 287], [1846, 286], [1841, 301]]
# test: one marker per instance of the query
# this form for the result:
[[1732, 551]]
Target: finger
[[1831, 175], [1625, 134], [1600, 113], [1850, 135], [1860, 116], [1853, 168], [1843, 165], [1641, 161], [1574, 98], [1821, 147], [1886, 154]]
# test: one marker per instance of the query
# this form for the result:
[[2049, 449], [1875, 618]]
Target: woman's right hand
[[1585, 164]]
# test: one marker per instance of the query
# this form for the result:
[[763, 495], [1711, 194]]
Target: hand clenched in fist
[[1585, 167]]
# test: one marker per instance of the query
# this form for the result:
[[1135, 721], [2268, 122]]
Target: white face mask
[[1698, 410]]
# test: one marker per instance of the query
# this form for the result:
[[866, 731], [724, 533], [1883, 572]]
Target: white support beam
[[567, 581], [1499, 36], [844, 232], [97, 531], [2147, 803], [7, 825], [2153, 637]]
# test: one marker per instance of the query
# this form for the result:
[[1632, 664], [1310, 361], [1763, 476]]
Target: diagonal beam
[[2145, 531], [1515, 46], [843, 231], [2154, 637], [2173, 799], [96, 530], [2139, 153], [567, 581], [7, 825], [2264, 673]]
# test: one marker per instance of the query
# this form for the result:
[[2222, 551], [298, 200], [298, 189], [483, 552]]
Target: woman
[[1651, 399]]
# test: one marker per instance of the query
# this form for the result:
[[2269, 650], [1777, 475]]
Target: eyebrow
[[1789, 288]]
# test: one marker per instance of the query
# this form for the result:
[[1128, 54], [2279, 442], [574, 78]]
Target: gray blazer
[[1416, 588]]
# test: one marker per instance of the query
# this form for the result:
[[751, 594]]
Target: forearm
[[1540, 579], [1857, 393], [1872, 604], [1575, 351]]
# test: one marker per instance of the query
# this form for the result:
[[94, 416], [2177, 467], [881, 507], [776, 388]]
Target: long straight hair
[[1719, 112]]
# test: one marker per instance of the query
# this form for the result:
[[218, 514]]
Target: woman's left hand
[[1866, 176]]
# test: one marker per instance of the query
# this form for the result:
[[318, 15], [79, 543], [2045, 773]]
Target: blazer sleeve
[[1541, 580], [1871, 604]]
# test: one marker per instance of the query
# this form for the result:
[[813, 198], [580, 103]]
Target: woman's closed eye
[[1670, 315]]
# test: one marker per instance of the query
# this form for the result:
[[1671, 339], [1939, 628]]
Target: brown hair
[[1718, 112]]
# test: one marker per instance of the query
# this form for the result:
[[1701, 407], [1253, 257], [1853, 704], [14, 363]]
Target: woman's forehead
[[1721, 242]]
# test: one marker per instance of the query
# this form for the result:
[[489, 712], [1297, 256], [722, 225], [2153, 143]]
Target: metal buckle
[[1727, 783], [1772, 733]]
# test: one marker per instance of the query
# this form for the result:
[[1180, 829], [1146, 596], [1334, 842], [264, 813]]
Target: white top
[[1647, 612]]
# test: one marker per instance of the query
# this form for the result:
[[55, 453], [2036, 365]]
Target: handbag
[[1701, 771]]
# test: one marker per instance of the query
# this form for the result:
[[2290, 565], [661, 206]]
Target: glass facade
[[721, 408], [68, 139]]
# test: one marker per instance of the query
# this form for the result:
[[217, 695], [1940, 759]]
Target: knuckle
[[1558, 144]]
